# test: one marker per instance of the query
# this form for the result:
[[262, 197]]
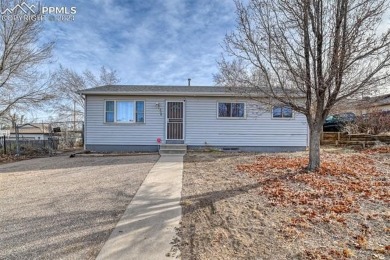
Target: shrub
[[373, 123]]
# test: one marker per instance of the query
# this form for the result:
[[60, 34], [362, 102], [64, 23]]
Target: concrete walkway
[[147, 227]]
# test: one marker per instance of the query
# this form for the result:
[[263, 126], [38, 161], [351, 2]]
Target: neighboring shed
[[34, 131], [134, 118]]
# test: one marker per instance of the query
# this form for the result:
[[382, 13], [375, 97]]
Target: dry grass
[[5, 158], [245, 206]]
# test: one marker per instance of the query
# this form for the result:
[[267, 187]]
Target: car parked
[[336, 123]]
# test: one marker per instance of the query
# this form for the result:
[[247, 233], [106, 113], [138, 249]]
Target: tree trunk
[[314, 147]]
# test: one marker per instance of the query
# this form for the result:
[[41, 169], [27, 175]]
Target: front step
[[173, 149]]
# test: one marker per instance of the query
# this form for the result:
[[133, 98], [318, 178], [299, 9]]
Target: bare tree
[[68, 104], [21, 52], [307, 54], [10, 119]]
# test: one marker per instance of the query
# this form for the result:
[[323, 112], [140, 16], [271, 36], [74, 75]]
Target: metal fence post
[[4, 145], [17, 140]]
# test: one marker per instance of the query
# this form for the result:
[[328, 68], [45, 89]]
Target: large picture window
[[282, 112], [125, 111], [231, 110]]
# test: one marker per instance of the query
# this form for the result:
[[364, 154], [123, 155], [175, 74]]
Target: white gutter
[[201, 94], [178, 94]]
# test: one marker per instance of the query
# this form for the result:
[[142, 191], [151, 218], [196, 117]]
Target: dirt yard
[[265, 206], [10, 158], [65, 208]]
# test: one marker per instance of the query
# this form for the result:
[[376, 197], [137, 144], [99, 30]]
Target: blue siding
[[202, 127], [257, 129], [98, 132]]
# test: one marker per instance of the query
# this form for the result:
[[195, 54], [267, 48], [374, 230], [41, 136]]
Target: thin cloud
[[147, 42]]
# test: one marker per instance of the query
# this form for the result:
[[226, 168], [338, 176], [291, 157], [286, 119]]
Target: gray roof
[[382, 100], [34, 128], [159, 90]]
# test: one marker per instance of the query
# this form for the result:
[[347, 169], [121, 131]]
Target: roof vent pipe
[[189, 82]]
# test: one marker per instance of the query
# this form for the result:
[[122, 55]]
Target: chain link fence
[[28, 147], [61, 137]]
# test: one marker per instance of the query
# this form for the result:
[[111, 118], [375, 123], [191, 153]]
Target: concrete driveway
[[65, 208]]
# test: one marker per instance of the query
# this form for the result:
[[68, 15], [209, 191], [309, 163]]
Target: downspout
[[85, 123]]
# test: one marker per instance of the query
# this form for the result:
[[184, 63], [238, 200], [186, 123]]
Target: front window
[[125, 111], [231, 110], [282, 112]]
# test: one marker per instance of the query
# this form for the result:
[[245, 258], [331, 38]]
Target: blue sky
[[146, 42]]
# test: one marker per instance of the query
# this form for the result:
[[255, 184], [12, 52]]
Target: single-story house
[[362, 106], [140, 118], [34, 131], [373, 104]]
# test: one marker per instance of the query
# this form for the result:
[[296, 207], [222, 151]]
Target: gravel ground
[[65, 208]]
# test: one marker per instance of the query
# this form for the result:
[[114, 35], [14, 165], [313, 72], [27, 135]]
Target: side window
[[224, 109], [238, 110], [287, 112], [231, 110], [282, 112], [140, 111], [110, 111]]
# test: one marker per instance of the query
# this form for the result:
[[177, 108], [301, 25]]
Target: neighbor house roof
[[375, 101], [34, 129]]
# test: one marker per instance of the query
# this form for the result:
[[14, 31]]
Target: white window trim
[[134, 112], [231, 118], [282, 118]]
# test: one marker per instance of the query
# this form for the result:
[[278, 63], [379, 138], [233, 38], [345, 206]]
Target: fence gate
[[175, 121]]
